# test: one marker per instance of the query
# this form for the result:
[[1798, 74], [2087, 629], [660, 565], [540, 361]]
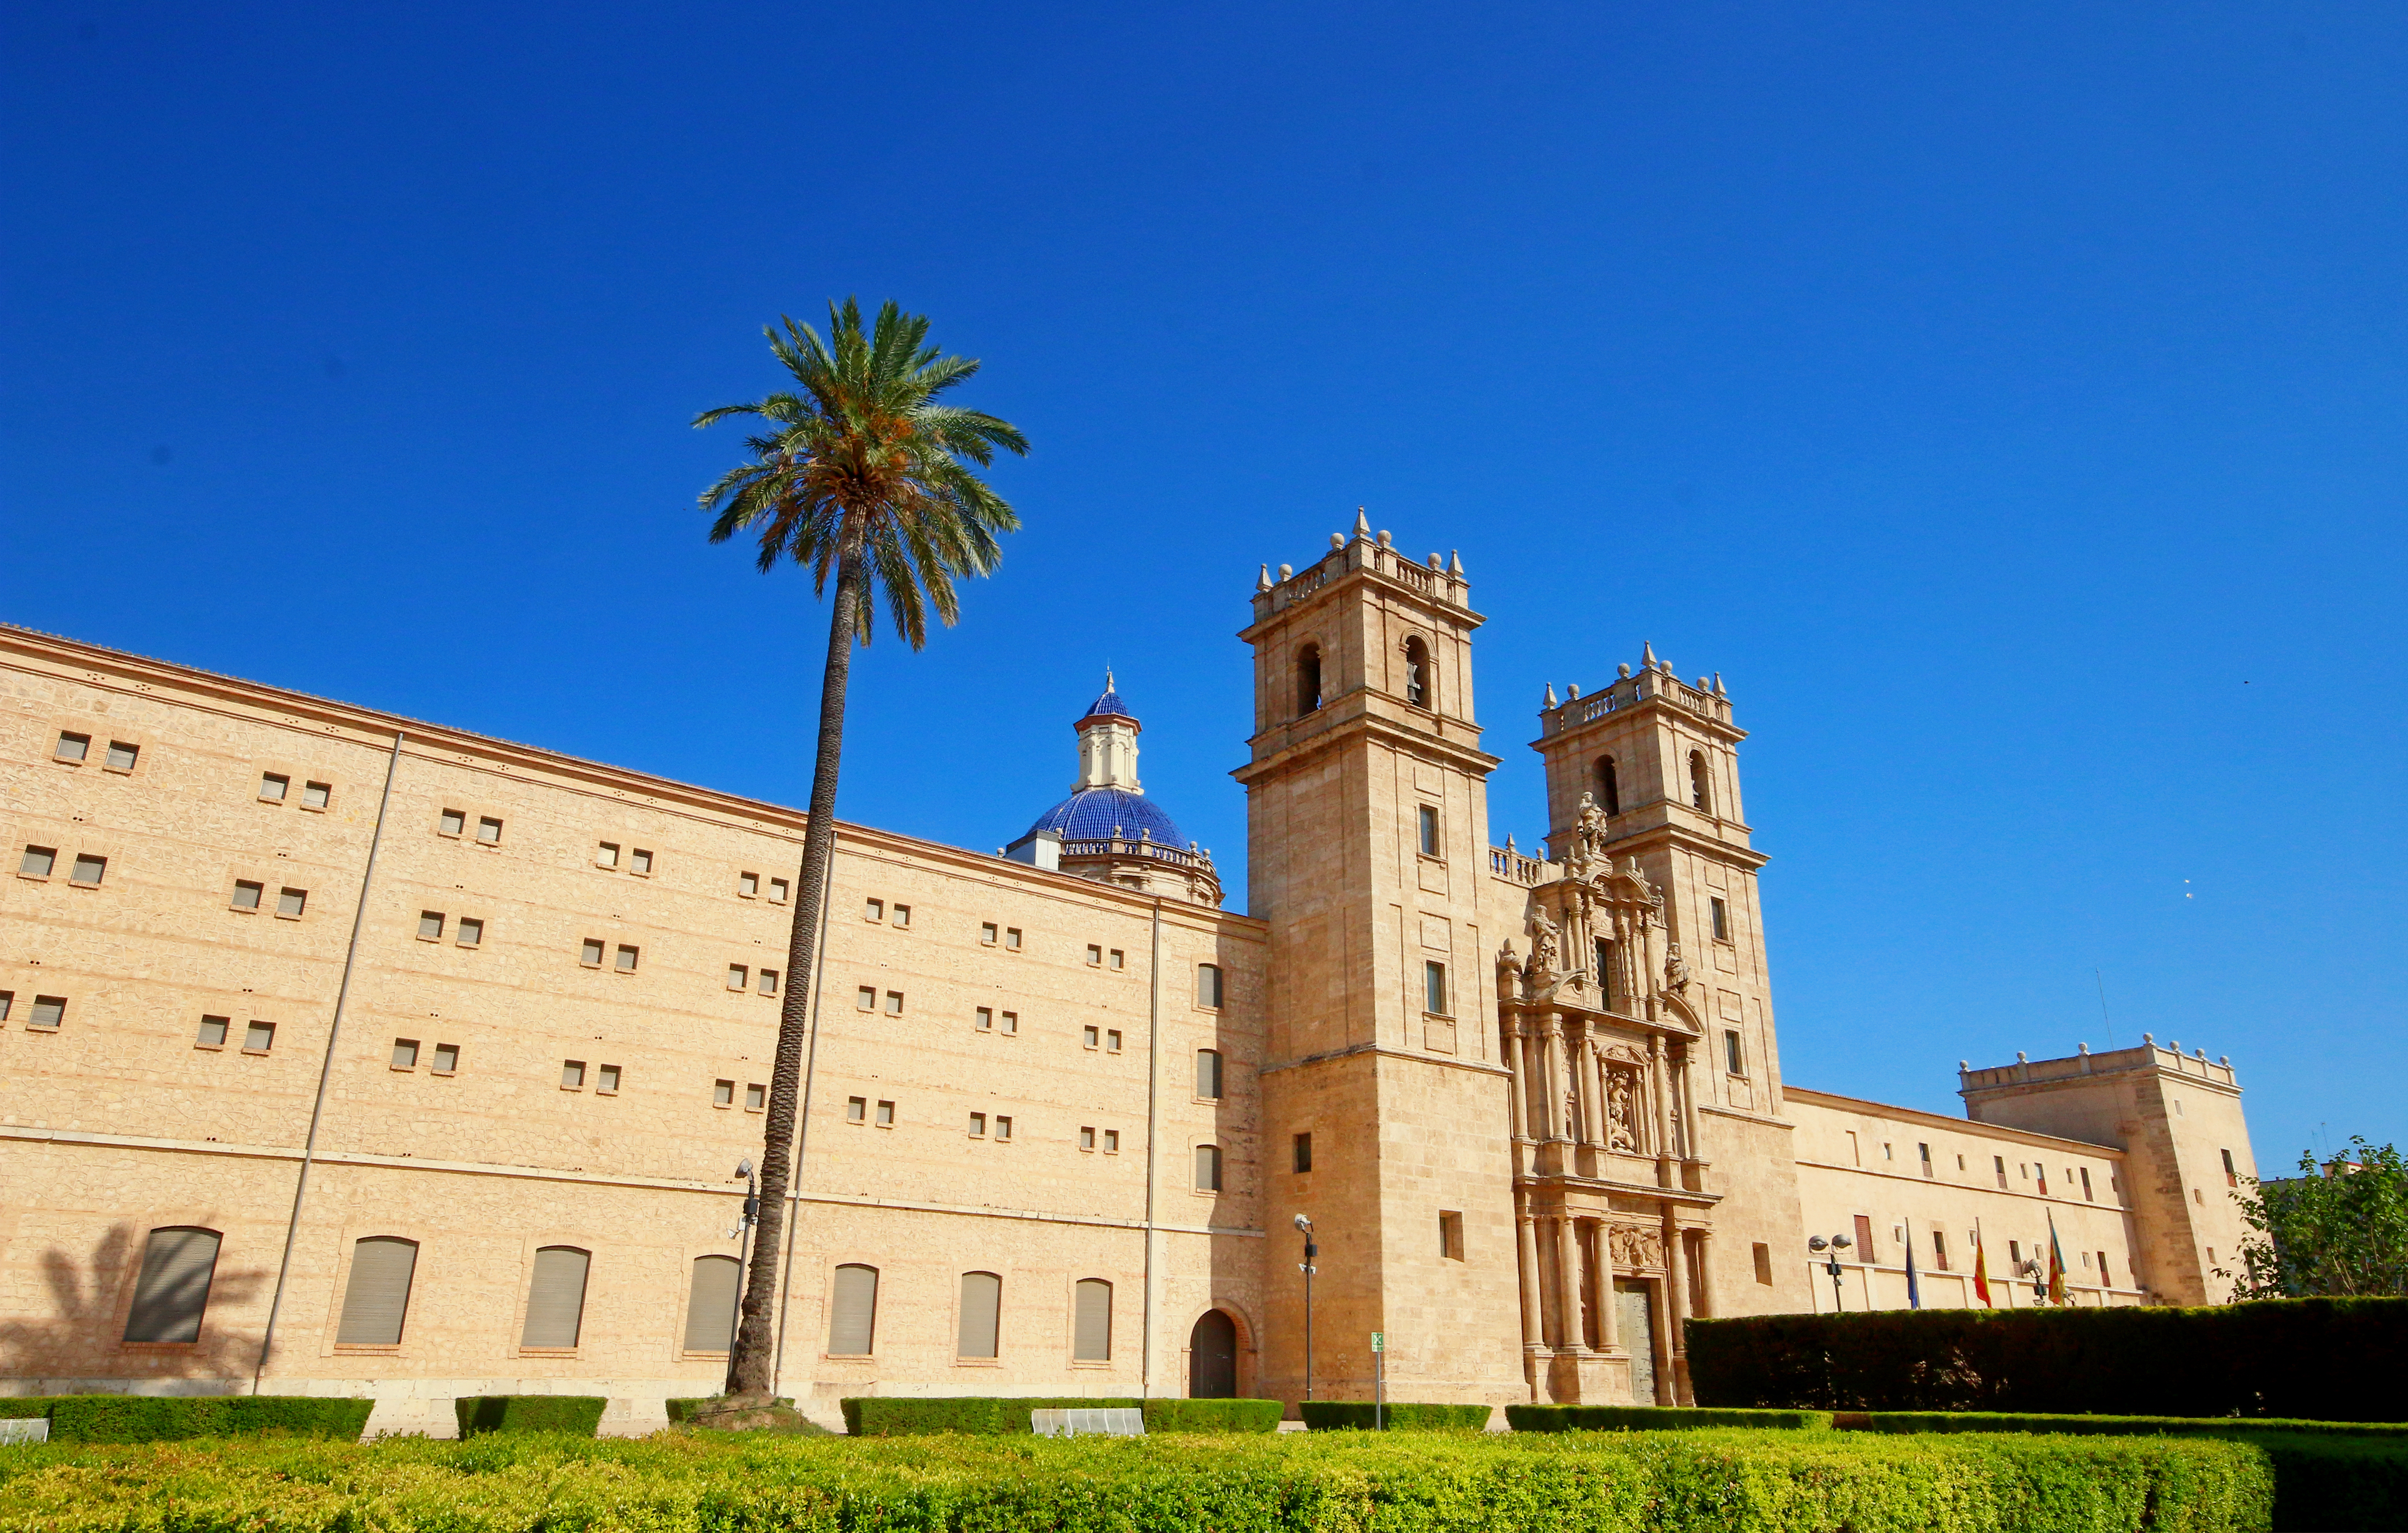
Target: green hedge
[[2325, 1359], [1213, 1416], [578, 1415], [1653, 1418], [170, 1418], [979, 1415], [1362, 1416], [2007, 1421], [685, 1408]]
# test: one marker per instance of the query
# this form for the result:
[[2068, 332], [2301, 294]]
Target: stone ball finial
[[2082, 1048], [1384, 537], [1438, 564], [2022, 1058], [2224, 1059], [1338, 540], [1286, 571], [1964, 1064], [1623, 670], [2148, 1037], [1571, 690]]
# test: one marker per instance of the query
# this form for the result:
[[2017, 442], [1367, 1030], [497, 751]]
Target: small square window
[[405, 1054], [452, 822], [1093, 1037], [894, 1003], [885, 1114], [640, 862], [722, 1094], [606, 1080], [628, 958], [317, 795], [38, 861], [8, 1000], [987, 933], [1721, 913], [1111, 1040], [259, 1038], [472, 932], [213, 1033], [1095, 956], [856, 1110], [978, 1125], [756, 1097], [866, 998], [273, 787], [122, 756], [776, 891], [488, 830], [739, 976], [1112, 1141], [447, 1059], [607, 854], [589, 952], [246, 894], [985, 1019], [902, 916], [89, 869], [73, 747], [1113, 959], [572, 1074], [49, 1011], [747, 885], [768, 982], [1002, 1126], [1086, 1137], [873, 910], [1011, 939], [1010, 1022], [292, 902]]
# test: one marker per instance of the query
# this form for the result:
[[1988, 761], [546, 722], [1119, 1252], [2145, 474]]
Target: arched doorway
[[1212, 1357]]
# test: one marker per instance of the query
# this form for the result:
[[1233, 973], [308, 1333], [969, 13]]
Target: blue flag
[[1914, 1291]]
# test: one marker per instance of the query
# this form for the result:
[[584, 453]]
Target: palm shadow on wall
[[81, 1335]]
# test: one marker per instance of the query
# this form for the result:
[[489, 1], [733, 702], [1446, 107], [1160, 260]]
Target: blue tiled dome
[[1108, 706], [1091, 814]]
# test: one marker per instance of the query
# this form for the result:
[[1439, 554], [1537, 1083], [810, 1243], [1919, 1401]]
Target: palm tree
[[861, 471]]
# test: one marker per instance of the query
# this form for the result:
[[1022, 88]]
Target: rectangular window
[[589, 952], [987, 933], [2039, 1174], [640, 862], [607, 854], [1091, 1322], [1450, 1236], [1864, 1238], [1923, 1153], [1114, 960], [2000, 1162], [121, 755], [38, 861], [91, 870], [1208, 1167], [2015, 1254], [853, 1311], [273, 787], [405, 1054], [885, 1114], [1112, 1141], [873, 910], [1086, 1137], [739, 976], [452, 822], [986, 1019], [489, 831], [1095, 956], [856, 1110], [722, 1094], [213, 1032], [1111, 1040], [1854, 1158], [1002, 1126], [627, 959], [978, 1125], [866, 998], [2085, 1186], [1011, 1021], [2104, 1282], [902, 916], [1208, 986], [768, 982], [606, 1080], [1939, 1250], [776, 891], [259, 1038], [73, 747], [1428, 818], [2231, 1177], [1207, 1074], [1434, 987], [1011, 939], [572, 1074], [1722, 919], [894, 1003], [981, 1309], [447, 1059], [1764, 1264], [555, 1308], [1300, 1153], [430, 928], [291, 902], [1733, 1060], [246, 894], [376, 1296], [316, 796], [747, 885], [1091, 1037], [472, 932], [710, 1305], [756, 1097], [173, 1289]]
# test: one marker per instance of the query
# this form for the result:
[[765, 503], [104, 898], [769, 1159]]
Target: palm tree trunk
[[748, 1361]]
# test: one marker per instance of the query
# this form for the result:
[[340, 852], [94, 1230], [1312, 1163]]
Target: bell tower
[[1385, 1103]]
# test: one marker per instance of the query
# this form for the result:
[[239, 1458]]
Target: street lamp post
[[744, 1224], [1836, 1244], [1304, 1228]]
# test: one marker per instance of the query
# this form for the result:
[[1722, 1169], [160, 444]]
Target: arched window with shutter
[[710, 1305], [981, 1315], [1093, 1327], [376, 1300], [1307, 678], [1701, 794], [173, 1291], [853, 1311], [1207, 1074], [556, 1297], [1418, 674], [1208, 1167], [1608, 786]]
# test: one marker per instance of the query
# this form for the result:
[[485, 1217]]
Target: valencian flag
[[1914, 1293], [2055, 1265], [1981, 1272]]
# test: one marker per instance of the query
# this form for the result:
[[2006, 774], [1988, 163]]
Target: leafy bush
[[1652, 1418], [2005, 1421], [1362, 1415], [20, 1407], [169, 1418], [980, 1416], [2320, 1358], [577, 1415], [1213, 1416], [1702, 1482]]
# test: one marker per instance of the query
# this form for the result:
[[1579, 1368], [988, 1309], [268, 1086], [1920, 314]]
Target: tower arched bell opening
[[1308, 679], [1701, 794], [1418, 690], [1608, 786]]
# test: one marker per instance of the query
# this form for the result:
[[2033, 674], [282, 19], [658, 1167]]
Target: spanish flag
[[1981, 1272], [2055, 1265]]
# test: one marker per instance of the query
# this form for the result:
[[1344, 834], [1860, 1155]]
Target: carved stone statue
[[1620, 1132], [1676, 969], [1592, 826], [1543, 946]]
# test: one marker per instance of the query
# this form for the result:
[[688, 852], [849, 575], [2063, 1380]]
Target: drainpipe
[[802, 1132], [327, 1066], [1153, 1098]]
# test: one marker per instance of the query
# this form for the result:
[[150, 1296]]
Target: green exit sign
[[1379, 1340]]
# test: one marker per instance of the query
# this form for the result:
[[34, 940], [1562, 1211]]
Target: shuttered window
[[1207, 1074], [378, 1295], [982, 1307], [556, 1300], [1208, 1167], [1094, 1330], [710, 1307], [174, 1287], [853, 1311]]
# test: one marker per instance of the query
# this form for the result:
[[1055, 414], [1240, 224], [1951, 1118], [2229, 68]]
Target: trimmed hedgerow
[[1704, 1482], [2395, 1433], [170, 1418], [685, 1408], [1364, 1416], [978, 1415], [2323, 1358], [20, 1407], [580, 1415], [1213, 1416], [1654, 1418]]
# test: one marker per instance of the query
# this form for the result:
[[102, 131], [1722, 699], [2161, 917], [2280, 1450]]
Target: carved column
[[1532, 1315], [1593, 1108], [1659, 1087], [1689, 1101], [1676, 1302], [1568, 1270], [1608, 1323], [1556, 1077], [1705, 1274], [1513, 1076]]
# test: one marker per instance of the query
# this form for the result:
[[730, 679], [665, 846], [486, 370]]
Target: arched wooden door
[[1212, 1357]]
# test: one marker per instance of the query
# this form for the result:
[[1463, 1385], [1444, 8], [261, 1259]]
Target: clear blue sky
[[2008, 403]]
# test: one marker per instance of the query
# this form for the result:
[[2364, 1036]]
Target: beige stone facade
[[444, 1052]]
